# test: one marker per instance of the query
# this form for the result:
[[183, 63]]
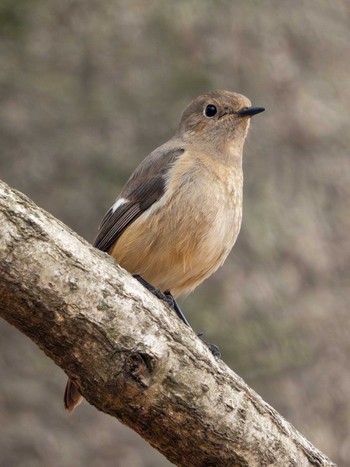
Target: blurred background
[[87, 90]]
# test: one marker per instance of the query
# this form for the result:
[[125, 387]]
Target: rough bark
[[129, 354]]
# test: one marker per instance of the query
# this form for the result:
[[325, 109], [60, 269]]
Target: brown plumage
[[179, 214]]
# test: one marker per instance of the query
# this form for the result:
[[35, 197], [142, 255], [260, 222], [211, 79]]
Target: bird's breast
[[211, 194], [186, 235]]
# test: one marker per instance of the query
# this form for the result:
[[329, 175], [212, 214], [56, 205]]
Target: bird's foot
[[156, 292], [176, 308], [169, 299], [214, 349], [165, 297]]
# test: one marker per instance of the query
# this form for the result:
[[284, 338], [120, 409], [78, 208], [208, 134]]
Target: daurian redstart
[[179, 214]]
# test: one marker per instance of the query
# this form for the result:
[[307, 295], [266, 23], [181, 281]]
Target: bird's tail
[[72, 396]]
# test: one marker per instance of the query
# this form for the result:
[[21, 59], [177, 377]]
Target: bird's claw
[[156, 292], [214, 349]]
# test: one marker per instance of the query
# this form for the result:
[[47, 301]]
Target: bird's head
[[217, 119]]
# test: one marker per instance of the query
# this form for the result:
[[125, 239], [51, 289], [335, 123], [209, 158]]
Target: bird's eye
[[210, 110]]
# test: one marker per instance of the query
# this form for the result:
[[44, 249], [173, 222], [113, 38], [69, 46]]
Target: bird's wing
[[144, 187]]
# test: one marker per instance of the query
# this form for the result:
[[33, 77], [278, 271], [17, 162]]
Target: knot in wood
[[139, 368]]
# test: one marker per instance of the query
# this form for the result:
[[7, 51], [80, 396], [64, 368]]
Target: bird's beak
[[250, 111]]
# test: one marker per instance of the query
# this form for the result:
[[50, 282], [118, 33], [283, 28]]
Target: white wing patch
[[118, 203]]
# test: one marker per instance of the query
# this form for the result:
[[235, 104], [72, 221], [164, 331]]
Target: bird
[[179, 214]]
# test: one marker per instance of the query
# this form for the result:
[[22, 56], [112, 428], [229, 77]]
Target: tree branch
[[128, 353]]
